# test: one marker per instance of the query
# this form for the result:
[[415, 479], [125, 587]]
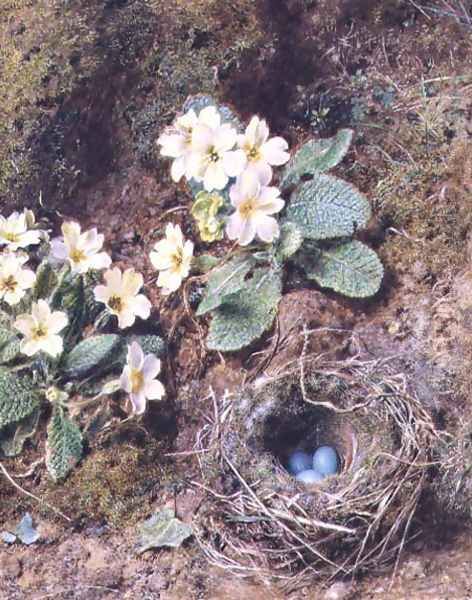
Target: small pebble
[[309, 476], [299, 461], [325, 460]]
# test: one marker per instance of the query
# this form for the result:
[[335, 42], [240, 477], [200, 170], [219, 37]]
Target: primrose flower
[[205, 210], [14, 280], [121, 297], [16, 230], [172, 257], [254, 202], [40, 329], [139, 378], [176, 142], [212, 159], [82, 250], [262, 152]]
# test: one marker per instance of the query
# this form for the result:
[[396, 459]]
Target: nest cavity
[[258, 520]]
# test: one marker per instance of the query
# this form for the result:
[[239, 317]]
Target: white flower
[[14, 280], [40, 329], [139, 378], [254, 202], [16, 232], [82, 250], [120, 294], [212, 160], [176, 142], [172, 258], [262, 152]]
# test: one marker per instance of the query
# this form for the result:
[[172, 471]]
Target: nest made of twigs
[[259, 520]]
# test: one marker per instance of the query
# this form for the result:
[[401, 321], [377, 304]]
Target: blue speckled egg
[[299, 461], [309, 476], [326, 461]]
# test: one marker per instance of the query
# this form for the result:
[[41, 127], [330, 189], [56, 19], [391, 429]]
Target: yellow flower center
[[213, 155], [12, 237], [137, 380], [247, 208], [9, 284], [115, 303], [177, 259], [39, 332], [253, 153], [77, 255]]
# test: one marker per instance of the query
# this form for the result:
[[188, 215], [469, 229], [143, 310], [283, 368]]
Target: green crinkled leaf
[[13, 436], [204, 263], [91, 355], [317, 156], [64, 445], [245, 315], [289, 242], [327, 207], [46, 281], [350, 268], [69, 296], [224, 281], [9, 345], [150, 344], [18, 398], [163, 529]]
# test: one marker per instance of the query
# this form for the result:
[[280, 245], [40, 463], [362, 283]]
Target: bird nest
[[258, 520]]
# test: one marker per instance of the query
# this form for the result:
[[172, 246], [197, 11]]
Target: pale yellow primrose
[[16, 230], [212, 160], [81, 250], [254, 202], [176, 143], [172, 257], [121, 297], [262, 152], [138, 378], [40, 330], [14, 279]]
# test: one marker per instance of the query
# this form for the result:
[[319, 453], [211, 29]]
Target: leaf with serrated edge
[[224, 281], [18, 398], [327, 207], [289, 242], [245, 315], [350, 268], [91, 354], [162, 529], [316, 156], [63, 446]]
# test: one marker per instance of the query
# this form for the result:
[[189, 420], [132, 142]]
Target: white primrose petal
[[247, 233], [132, 282], [29, 238], [138, 400], [224, 138], [187, 121], [25, 278], [24, 324], [234, 225], [261, 169], [170, 281], [52, 345], [125, 379], [234, 162], [269, 200], [160, 260], [267, 228], [57, 321], [173, 145], [210, 117], [202, 138], [113, 279], [154, 390], [12, 298], [99, 261], [126, 318], [41, 311], [215, 177], [275, 152], [151, 367], [59, 249], [135, 357], [101, 293], [29, 347], [178, 168], [174, 235], [71, 232], [249, 186], [141, 306]]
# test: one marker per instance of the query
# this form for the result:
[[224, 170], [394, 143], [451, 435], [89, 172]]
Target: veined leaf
[[18, 397], [91, 354], [13, 436], [46, 280], [162, 529], [327, 207], [316, 156], [64, 445], [289, 242]]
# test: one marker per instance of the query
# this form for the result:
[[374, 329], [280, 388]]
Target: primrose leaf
[[245, 315], [327, 207], [150, 344], [205, 263], [13, 436], [289, 242], [45, 282], [316, 156], [350, 268], [18, 398], [225, 280], [162, 529], [9, 345], [64, 445], [92, 354], [69, 297]]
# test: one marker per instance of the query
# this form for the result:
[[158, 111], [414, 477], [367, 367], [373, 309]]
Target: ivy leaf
[[316, 156], [327, 207], [18, 398], [13, 436], [226, 280], [64, 445], [91, 354], [350, 268], [162, 529], [245, 315]]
